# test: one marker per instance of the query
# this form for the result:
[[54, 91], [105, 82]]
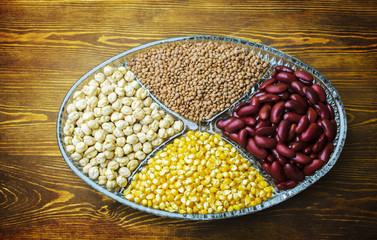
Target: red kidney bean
[[331, 110], [264, 112], [270, 158], [285, 77], [265, 131], [308, 150], [249, 121], [265, 142], [239, 106], [285, 151], [299, 99], [286, 185], [266, 83], [255, 150], [322, 110], [280, 158], [298, 146], [313, 155], [274, 73], [292, 117], [319, 143], [312, 115], [281, 68], [283, 95], [302, 124], [292, 132], [258, 94], [254, 101], [325, 153], [248, 111], [276, 88], [242, 137], [303, 75], [328, 129], [293, 173], [234, 125], [294, 106], [226, 133], [320, 92], [263, 123], [250, 131], [235, 115], [302, 158], [269, 98], [283, 130], [311, 133], [267, 167], [311, 95], [312, 167], [276, 171], [277, 112], [221, 123], [234, 136], [298, 87]]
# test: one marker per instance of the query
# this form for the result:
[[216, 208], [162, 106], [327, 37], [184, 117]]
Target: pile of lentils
[[198, 79]]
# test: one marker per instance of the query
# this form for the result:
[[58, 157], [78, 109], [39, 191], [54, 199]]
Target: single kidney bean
[[267, 167], [281, 68], [292, 132], [322, 110], [266, 83], [265, 131], [294, 106], [262, 123], [328, 129], [302, 158], [277, 112], [268, 98], [284, 95], [282, 160], [221, 123], [320, 92], [249, 121], [226, 133], [292, 117], [250, 131], [308, 150], [313, 155], [274, 73], [319, 143], [325, 153], [265, 142], [242, 137], [299, 99], [283, 130], [270, 158], [285, 77], [302, 124], [258, 94], [293, 173], [298, 87], [254, 101], [312, 115], [303, 75], [311, 95], [298, 146], [248, 111], [285, 151], [234, 125], [234, 136], [255, 150], [286, 185], [311, 133], [312, 167], [276, 171], [331, 111], [276, 88], [264, 112], [239, 106]]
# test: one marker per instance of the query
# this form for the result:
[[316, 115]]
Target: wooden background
[[45, 46]]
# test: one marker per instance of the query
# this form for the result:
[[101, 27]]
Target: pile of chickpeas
[[112, 125]]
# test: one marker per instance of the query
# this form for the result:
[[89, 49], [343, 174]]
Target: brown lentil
[[198, 79]]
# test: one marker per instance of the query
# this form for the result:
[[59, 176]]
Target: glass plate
[[275, 57]]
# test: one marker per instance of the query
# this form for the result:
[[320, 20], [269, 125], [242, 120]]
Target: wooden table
[[47, 45]]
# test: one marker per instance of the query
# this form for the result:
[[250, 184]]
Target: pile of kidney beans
[[287, 126]]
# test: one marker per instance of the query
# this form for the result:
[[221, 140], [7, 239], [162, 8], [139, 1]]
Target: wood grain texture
[[45, 46]]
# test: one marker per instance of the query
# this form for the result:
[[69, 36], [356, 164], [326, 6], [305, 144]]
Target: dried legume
[[200, 174]]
